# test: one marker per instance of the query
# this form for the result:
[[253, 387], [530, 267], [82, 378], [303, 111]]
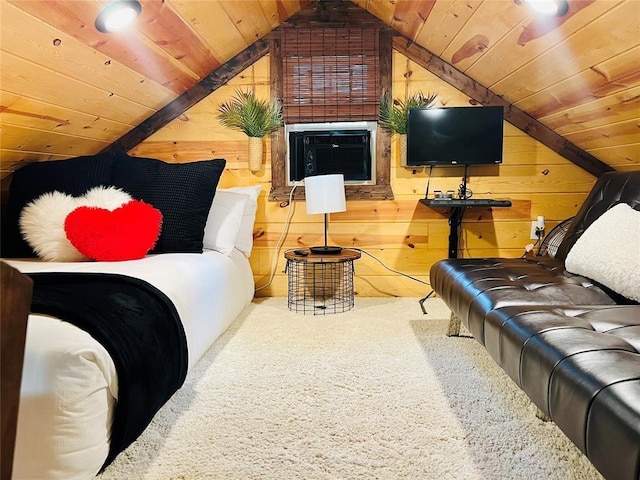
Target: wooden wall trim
[[352, 192], [202, 89], [383, 137], [16, 290], [278, 145], [512, 114]]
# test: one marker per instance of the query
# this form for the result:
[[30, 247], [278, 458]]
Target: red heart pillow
[[126, 233]]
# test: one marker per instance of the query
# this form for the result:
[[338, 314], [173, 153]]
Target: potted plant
[[393, 116], [256, 118]]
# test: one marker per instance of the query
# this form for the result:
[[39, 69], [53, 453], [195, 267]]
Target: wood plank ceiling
[[67, 89]]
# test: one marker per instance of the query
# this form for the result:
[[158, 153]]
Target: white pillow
[[108, 198], [244, 242], [608, 251], [223, 222], [42, 220], [42, 226]]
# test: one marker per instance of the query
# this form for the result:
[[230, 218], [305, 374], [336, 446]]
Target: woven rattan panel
[[330, 74]]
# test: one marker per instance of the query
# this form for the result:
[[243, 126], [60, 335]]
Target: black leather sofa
[[571, 344]]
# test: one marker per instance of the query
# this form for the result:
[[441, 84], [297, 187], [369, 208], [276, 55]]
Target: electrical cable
[[530, 247], [285, 229], [426, 194], [464, 192], [390, 269]]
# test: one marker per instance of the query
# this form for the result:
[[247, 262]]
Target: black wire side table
[[320, 284]]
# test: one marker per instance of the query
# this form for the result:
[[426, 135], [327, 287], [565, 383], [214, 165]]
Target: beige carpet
[[375, 393]]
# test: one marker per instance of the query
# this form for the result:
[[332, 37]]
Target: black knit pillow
[[72, 176], [183, 192]]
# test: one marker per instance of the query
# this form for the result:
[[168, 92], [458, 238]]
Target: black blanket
[[139, 327]]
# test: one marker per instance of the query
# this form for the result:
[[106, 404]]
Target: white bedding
[[69, 383]]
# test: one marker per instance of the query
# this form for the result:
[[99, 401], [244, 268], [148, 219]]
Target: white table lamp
[[325, 194]]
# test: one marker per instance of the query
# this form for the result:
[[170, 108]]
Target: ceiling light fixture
[[118, 15], [555, 8]]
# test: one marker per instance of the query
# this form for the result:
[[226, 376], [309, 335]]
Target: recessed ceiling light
[[118, 15], [549, 7]]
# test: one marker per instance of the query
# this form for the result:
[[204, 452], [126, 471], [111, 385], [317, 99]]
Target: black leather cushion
[[577, 380], [529, 342], [544, 352], [581, 366], [508, 330], [183, 192], [473, 287], [72, 176], [610, 189], [613, 430]]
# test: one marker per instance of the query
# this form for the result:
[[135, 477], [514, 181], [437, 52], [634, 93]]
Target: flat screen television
[[455, 136]]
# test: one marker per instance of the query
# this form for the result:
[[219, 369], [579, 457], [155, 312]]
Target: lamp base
[[326, 250]]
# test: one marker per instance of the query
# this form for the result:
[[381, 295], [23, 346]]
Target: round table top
[[298, 255]]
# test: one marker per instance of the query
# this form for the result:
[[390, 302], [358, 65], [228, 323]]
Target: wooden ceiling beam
[[512, 114], [199, 91]]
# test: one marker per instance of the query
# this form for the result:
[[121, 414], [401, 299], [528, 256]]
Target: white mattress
[[69, 383]]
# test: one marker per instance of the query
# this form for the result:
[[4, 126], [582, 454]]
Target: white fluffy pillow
[[224, 220], [108, 198], [42, 226], [42, 220], [608, 251], [244, 242]]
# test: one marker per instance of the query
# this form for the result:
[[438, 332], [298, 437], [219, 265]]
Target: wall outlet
[[534, 226]]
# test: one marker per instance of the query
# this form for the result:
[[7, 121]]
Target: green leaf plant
[[254, 117], [393, 111]]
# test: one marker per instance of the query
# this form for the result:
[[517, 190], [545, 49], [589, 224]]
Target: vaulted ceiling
[[67, 89]]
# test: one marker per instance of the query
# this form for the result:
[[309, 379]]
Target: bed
[[69, 382], [68, 421]]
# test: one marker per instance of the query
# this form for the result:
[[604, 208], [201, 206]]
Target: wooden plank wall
[[403, 234]]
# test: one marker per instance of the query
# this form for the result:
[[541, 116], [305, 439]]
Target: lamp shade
[[325, 194]]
